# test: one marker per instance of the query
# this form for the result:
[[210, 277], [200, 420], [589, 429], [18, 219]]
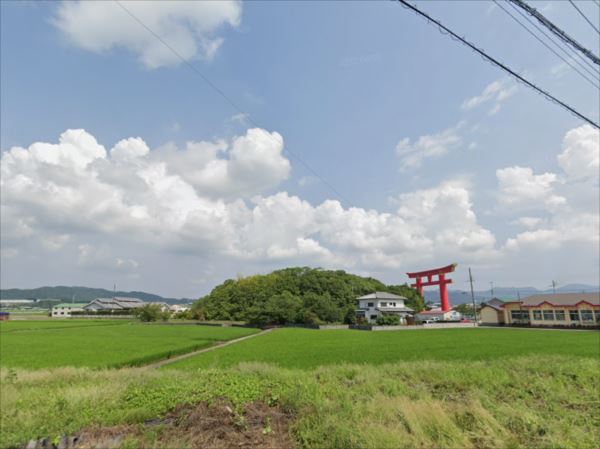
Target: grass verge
[[533, 402]]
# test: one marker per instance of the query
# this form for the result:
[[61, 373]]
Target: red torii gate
[[441, 281]]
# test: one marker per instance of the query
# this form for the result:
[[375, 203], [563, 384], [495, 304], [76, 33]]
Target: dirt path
[[200, 351]]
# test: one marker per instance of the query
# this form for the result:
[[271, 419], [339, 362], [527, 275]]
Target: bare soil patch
[[209, 426]]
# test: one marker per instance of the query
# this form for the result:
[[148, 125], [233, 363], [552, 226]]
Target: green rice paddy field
[[452, 388], [50, 344], [306, 349]]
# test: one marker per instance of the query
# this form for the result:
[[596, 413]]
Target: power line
[[581, 60], [446, 30], [545, 44], [556, 30], [584, 16], [228, 99]]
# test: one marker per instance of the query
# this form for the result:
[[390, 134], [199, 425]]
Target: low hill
[[79, 294], [295, 295]]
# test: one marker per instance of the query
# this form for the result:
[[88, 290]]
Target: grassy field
[[47, 344], [29, 325], [520, 402], [305, 349]]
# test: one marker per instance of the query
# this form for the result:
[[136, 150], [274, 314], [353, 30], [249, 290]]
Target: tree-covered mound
[[295, 295]]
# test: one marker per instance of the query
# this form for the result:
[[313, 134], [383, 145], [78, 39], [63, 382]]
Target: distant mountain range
[[81, 294], [86, 294], [464, 296]]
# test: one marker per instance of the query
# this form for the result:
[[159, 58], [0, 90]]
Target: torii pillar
[[441, 281]]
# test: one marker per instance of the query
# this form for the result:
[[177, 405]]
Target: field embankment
[[527, 401]]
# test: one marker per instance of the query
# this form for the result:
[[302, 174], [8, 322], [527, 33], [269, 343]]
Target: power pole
[[554, 287], [492, 289], [473, 297], [114, 291]]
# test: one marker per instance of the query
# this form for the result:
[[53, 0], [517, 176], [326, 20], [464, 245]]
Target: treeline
[[295, 295]]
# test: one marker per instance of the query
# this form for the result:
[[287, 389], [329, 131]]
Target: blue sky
[[343, 84]]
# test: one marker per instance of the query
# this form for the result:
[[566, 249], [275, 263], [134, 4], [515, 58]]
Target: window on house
[[559, 315], [383, 304], [587, 315], [537, 314], [369, 304], [597, 315], [548, 315], [574, 315]]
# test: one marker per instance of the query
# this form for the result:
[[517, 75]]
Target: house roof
[[394, 309], [562, 299], [434, 312], [116, 303], [492, 305], [70, 305], [381, 295]]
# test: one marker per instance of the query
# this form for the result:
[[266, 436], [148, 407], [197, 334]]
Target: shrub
[[388, 319]]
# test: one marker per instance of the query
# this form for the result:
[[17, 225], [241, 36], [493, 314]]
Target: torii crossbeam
[[441, 281]]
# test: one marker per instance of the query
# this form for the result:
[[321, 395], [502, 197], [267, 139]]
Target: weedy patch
[[206, 425]]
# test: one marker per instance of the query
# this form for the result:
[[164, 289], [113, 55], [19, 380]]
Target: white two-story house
[[374, 304]]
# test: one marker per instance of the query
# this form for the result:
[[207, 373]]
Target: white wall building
[[438, 315], [374, 304], [64, 310]]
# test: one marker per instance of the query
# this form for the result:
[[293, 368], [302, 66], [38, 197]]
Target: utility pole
[[473, 297], [554, 287], [492, 289], [114, 291]]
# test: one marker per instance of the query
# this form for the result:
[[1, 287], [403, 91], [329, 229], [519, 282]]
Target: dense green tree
[[294, 295], [149, 312]]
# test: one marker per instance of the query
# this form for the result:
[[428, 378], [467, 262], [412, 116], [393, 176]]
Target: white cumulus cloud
[[411, 155], [188, 27]]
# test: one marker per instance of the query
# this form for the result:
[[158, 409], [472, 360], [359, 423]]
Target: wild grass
[[104, 344], [526, 401], [305, 349]]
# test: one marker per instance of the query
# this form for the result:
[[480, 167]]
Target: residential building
[[492, 311], [176, 308], [438, 315], [561, 309], [114, 304], [374, 304], [64, 310]]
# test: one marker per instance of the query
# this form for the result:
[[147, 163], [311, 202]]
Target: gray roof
[[563, 299], [395, 309], [381, 295], [115, 303]]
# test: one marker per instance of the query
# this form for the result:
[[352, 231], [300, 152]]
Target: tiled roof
[[70, 305], [381, 295], [562, 299]]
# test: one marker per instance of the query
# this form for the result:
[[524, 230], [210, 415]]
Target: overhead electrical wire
[[588, 67], [556, 30], [584, 16], [545, 44], [229, 100], [547, 95]]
